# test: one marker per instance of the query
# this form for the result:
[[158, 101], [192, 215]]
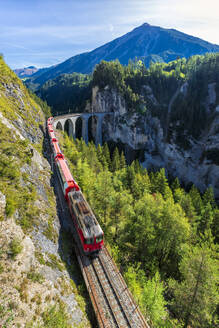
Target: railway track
[[112, 301]]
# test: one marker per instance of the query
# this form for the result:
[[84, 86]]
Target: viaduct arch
[[84, 125]]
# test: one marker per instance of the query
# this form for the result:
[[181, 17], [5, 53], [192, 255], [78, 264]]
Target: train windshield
[[99, 238], [89, 240]]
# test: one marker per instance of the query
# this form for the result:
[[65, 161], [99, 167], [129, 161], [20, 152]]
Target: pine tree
[[208, 197], [122, 161], [206, 219], [106, 154], [175, 185], [130, 177], [215, 225], [99, 152], [116, 160], [160, 182], [196, 199], [137, 166]]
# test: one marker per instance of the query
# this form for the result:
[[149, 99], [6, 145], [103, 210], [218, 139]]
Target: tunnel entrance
[[92, 128], [78, 128]]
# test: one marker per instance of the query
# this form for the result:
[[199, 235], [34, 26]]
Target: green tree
[[175, 185], [148, 293], [196, 199], [159, 184], [154, 302], [106, 154], [102, 195], [122, 161], [208, 197], [196, 297], [116, 160], [206, 218]]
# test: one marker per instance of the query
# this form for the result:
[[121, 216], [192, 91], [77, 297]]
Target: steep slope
[[146, 42], [67, 91], [35, 284]]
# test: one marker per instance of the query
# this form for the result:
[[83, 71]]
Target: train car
[[88, 229], [65, 177]]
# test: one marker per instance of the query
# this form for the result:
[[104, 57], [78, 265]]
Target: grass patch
[[35, 276], [50, 232], [23, 290], [15, 248], [56, 317], [40, 258], [6, 315], [55, 263]]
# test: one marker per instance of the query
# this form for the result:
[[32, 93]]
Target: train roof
[[87, 219], [65, 169]]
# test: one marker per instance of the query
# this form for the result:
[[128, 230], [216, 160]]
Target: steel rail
[[132, 304], [92, 292], [119, 316]]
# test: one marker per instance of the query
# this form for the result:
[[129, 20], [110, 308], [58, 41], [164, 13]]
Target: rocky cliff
[[146, 135], [36, 271]]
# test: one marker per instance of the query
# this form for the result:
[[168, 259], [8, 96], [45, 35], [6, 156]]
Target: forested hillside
[[163, 238], [68, 92], [167, 115], [72, 92], [164, 79]]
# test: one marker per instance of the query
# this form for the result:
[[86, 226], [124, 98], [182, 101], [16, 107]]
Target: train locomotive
[[85, 222]]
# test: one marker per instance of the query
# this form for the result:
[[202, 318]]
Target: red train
[[88, 229]]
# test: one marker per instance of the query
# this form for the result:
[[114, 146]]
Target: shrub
[[55, 263], [35, 276], [56, 317], [15, 248]]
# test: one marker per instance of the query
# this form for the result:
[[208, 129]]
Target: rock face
[[35, 265], [198, 164]]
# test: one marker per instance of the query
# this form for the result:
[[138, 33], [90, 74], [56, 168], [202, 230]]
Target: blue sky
[[46, 32]]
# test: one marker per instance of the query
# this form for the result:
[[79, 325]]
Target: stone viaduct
[[82, 125]]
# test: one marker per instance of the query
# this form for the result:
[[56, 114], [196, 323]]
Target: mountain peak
[[146, 42], [145, 25]]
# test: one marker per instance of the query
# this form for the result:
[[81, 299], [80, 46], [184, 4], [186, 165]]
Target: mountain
[[25, 72], [147, 42]]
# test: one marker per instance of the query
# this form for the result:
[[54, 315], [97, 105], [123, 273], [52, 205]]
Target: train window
[[88, 240], [99, 239]]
